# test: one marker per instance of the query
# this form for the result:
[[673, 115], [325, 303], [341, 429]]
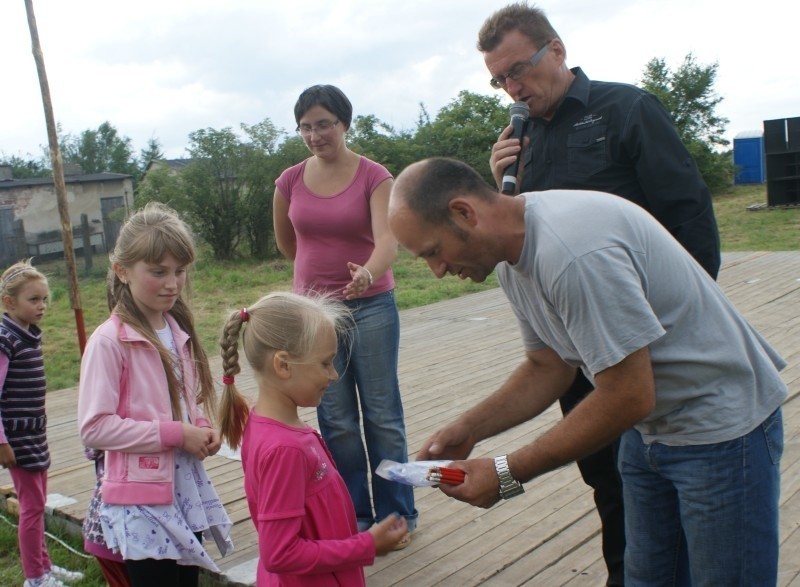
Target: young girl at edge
[[23, 433], [144, 376], [305, 519]]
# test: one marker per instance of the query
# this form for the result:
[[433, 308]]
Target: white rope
[[51, 536]]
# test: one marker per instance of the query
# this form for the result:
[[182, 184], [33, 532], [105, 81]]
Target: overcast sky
[[164, 68]]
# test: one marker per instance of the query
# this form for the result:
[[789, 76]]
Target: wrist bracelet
[[369, 275]]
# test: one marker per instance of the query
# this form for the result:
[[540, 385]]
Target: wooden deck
[[453, 354]]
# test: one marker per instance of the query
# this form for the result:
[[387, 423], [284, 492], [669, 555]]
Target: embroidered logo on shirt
[[148, 462], [588, 120]]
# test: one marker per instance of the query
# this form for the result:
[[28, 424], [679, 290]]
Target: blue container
[[748, 157]]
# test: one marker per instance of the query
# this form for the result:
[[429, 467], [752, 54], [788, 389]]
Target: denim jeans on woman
[[703, 515], [367, 365]]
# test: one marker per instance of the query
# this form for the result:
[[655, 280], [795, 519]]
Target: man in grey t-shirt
[[598, 285]]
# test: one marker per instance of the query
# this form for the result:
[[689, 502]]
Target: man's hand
[[7, 458], [454, 441], [504, 152], [480, 488]]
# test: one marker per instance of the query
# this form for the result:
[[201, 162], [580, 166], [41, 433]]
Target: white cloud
[[156, 68]]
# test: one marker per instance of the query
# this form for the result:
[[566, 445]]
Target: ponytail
[[233, 409]]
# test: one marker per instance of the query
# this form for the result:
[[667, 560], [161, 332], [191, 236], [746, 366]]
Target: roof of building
[[175, 164], [86, 178], [750, 134]]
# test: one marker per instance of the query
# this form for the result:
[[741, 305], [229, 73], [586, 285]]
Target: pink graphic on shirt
[[148, 462]]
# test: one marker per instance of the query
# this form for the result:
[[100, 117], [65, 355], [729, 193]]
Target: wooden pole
[[86, 232], [58, 178]]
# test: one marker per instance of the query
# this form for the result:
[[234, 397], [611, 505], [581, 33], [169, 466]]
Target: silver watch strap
[[509, 487]]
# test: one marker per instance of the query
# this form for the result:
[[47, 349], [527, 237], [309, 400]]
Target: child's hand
[[7, 459], [197, 440], [216, 442], [387, 533]]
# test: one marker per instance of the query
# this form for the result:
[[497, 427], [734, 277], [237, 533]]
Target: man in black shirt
[[608, 137]]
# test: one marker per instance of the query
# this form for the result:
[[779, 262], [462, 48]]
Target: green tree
[[22, 168], [213, 179], [162, 184], [260, 168], [290, 152], [100, 150], [226, 191], [151, 152], [379, 141], [689, 96], [465, 129]]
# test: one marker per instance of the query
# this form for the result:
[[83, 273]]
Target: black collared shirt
[[618, 138]]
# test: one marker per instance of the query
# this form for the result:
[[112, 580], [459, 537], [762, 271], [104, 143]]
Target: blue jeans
[[366, 362], [703, 515]]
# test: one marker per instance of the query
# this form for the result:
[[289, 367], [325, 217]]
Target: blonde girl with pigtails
[[305, 520]]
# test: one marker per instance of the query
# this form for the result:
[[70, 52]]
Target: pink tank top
[[333, 230]]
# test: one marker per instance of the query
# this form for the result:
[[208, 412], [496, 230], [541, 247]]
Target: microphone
[[519, 116]]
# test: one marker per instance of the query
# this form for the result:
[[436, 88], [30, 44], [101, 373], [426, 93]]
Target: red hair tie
[[227, 379], [243, 313]]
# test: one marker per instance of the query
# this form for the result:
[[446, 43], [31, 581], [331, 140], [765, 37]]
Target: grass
[[11, 571], [741, 229]]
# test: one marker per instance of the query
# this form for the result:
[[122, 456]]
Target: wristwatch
[[509, 487]]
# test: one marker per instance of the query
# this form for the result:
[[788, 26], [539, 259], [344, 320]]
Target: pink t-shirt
[[305, 520], [332, 230]]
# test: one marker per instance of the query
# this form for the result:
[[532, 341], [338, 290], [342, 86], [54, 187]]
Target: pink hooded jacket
[[124, 409]]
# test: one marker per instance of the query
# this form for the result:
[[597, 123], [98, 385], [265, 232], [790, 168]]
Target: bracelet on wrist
[[369, 275]]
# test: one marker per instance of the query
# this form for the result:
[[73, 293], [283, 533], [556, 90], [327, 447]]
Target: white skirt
[[168, 531]]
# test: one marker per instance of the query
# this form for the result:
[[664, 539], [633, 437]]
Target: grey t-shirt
[[599, 279]]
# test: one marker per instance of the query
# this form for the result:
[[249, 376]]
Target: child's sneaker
[[65, 575], [46, 580]]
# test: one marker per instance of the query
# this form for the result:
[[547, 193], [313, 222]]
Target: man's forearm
[[624, 396], [529, 391]]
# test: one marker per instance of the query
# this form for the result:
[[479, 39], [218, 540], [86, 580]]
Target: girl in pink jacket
[[306, 522], [144, 378]]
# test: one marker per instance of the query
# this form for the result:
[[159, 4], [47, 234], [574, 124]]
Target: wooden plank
[[452, 355]]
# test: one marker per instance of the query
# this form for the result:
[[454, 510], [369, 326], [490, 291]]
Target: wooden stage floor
[[453, 354]]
